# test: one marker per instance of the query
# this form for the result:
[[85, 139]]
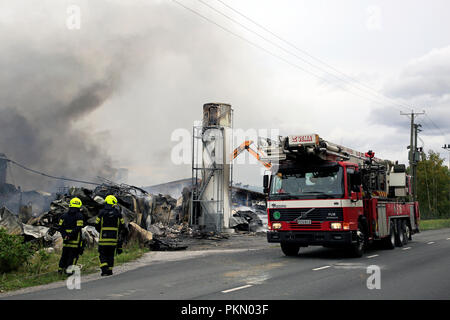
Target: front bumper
[[313, 238]]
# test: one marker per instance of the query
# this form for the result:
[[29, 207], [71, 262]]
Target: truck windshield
[[326, 182]]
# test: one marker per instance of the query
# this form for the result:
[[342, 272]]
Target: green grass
[[43, 267], [434, 224]]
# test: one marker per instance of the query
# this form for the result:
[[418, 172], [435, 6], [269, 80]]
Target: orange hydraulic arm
[[246, 146]]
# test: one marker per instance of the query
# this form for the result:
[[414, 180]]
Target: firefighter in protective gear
[[70, 225], [110, 226]]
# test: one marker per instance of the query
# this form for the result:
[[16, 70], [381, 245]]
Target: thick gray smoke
[[80, 103], [51, 80]]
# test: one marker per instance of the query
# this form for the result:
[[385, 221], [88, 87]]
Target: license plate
[[304, 221]]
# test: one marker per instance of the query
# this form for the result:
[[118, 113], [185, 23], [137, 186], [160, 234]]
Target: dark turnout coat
[[110, 225], [70, 225]]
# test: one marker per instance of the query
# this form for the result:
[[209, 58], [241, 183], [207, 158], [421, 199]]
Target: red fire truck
[[321, 193]]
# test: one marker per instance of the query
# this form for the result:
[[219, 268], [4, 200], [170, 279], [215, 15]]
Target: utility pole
[[413, 159], [447, 147], [416, 159], [3, 168]]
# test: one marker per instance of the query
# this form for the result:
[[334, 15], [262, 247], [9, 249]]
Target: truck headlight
[[276, 226], [336, 225]]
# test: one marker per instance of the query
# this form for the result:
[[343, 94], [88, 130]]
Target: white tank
[[216, 154]]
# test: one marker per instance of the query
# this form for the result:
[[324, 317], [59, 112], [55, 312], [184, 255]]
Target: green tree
[[433, 186]]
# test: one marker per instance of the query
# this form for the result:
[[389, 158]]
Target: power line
[[315, 58], [273, 54], [357, 82], [246, 40], [50, 176], [435, 125], [285, 50]]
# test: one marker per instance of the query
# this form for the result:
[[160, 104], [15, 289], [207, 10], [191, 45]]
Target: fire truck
[[323, 194]]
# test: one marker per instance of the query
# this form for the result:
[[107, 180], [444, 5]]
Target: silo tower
[[212, 169]]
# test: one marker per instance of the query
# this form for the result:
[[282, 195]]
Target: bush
[[13, 252]]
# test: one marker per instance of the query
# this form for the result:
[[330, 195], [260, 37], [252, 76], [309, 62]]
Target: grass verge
[[434, 224], [43, 267]]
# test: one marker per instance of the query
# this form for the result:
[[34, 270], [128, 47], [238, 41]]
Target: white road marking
[[238, 288], [448, 238], [321, 268], [370, 257], [431, 242], [349, 266], [407, 248]]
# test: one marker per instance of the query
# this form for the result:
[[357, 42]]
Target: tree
[[433, 186]]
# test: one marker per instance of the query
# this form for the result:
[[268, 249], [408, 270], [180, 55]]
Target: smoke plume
[[52, 79]]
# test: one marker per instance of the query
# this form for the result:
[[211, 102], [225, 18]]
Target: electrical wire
[[49, 176], [367, 89], [273, 54], [300, 50], [436, 126]]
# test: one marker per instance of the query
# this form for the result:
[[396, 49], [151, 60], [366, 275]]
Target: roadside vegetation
[[23, 265], [433, 187], [433, 191], [433, 224]]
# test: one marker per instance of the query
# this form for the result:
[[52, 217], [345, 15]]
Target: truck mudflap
[[313, 238]]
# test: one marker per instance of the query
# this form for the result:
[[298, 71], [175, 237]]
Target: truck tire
[[358, 248], [289, 249], [389, 242], [406, 231], [400, 237]]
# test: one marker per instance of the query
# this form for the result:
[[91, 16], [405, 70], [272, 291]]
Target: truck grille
[[318, 214], [313, 226]]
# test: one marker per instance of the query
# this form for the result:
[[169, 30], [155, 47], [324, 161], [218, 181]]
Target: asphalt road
[[419, 270]]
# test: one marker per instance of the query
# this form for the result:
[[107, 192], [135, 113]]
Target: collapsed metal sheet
[[10, 222], [36, 232]]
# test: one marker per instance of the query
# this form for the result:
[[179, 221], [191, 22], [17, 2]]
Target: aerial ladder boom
[[246, 146], [296, 147]]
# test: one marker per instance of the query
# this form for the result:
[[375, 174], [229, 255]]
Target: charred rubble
[[249, 209], [158, 221]]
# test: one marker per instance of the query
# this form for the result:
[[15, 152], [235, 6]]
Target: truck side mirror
[[356, 179], [266, 183]]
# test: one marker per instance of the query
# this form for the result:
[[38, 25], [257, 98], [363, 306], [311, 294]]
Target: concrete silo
[[212, 169]]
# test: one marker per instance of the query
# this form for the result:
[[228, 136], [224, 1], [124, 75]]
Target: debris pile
[[251, 219], [158, 221], [249, 209], [153, 220], [10, 222]]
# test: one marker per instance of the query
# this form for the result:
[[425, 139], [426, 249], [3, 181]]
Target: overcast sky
[[135, 71]]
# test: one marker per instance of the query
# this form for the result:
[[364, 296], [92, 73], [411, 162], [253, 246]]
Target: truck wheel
[[400, 238], [359, 247], [289, 249], [407, 232], [390, 240]]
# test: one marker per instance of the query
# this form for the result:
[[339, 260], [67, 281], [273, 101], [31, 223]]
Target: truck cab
[[320, 193], [316, 204]]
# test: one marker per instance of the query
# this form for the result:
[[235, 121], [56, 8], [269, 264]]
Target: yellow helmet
[[75, 203], [111, 200]]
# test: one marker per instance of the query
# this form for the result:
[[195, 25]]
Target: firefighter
[[70, 225], [110, 226]]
